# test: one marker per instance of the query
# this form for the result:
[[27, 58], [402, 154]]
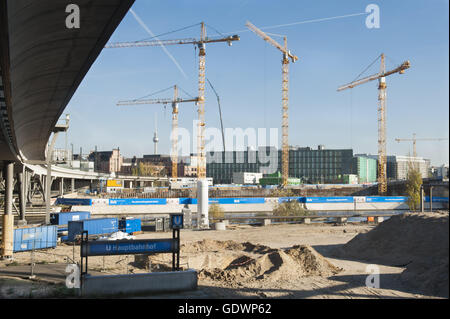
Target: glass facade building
[[310, 165]]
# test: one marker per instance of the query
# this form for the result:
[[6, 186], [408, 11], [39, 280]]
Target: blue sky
[[247, 75]]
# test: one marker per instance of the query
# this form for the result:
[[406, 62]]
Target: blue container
[[95, 226], [35, 238], [130, 225], [65, 217]]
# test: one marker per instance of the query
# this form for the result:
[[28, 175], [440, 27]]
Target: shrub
[[290, 208], [216, 212]]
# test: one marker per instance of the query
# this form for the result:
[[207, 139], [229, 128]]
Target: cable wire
[[170, 32], [367, 68], [151, 94]]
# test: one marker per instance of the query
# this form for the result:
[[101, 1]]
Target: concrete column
[[342, 220], [306, 220], [72, 185], [266, 222], [8, 217], [22, 197], [131, 184], [422, 199], [48, 192], [61, 187], [431, 198]]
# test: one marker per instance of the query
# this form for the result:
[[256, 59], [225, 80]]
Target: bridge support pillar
[[266, 222], [61, 187], [72, 185], [431, 198], [306, 220], [22, 197], [422, 199], [342, 220], [8, 217]]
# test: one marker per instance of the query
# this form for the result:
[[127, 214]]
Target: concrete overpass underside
[[43, 60], [42, 63]]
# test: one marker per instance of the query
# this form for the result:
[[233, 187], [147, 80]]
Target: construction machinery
[[414, 140], [174, 135], [284, 98], [201, 44], [381, 77]]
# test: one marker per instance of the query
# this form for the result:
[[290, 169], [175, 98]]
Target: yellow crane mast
[[284, 98], [201, 44], [381, 77], [174, 135]]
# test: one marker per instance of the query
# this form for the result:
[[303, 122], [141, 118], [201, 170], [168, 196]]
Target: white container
[[219, 226]]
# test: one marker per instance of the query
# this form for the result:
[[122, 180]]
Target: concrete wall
[[150, 283]]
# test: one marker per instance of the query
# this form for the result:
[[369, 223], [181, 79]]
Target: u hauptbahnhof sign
[[128, 247]]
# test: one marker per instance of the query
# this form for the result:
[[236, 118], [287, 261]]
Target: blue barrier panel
[[244, 200], [332, 199], [74, 201], [231, 200], [437, 199], [386, 199], [185, 200], [137, 201], [286, 199], [128, 247]]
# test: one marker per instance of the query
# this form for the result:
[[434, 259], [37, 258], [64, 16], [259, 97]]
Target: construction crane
[[381, 77], [284, 98], [201, 44], [414, 140], [174, 134]]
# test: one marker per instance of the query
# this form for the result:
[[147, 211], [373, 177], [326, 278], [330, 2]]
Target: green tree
[[413, 184], [290, 208], [216, 212]]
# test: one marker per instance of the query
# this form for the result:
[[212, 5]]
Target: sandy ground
[[348, 282]]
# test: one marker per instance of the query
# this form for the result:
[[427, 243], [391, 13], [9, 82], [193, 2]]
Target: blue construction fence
[[248, 200]]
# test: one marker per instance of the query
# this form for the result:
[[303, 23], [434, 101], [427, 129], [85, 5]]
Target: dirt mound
[[211, 245], [312, 263], [417, 241], [230, 261]]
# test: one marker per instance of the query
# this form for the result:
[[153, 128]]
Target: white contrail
[[301, 22], [160, 43]]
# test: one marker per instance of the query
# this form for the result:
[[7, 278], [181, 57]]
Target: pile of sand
[[232, 262], [417, 241]]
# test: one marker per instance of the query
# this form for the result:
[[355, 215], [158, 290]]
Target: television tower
[[155, 136]]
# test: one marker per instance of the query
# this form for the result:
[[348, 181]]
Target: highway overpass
[[42, 63]]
